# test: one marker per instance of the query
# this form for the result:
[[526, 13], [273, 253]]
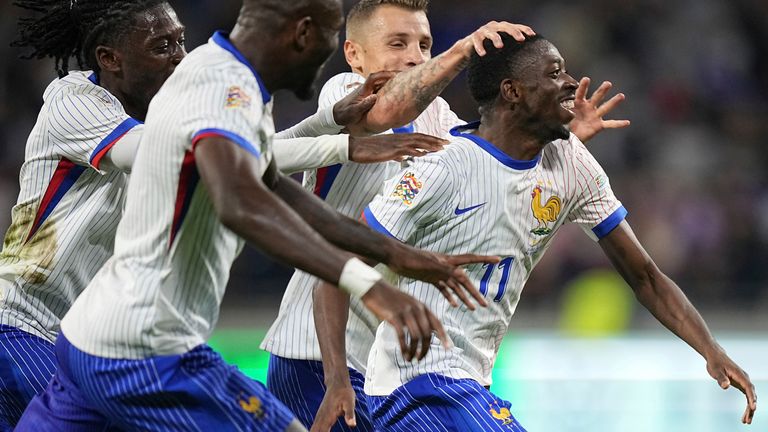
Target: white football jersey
[[473, 198], [348, 188], [160, 292], [63, 224]]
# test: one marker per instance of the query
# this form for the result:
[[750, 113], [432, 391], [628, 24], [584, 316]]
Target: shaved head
[[276, 12], [290, 40]]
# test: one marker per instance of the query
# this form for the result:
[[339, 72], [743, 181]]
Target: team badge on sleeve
[[237, 98], [407, 188]]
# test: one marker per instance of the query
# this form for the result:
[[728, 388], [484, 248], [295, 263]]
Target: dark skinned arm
[[331, 311], [664, 299], [351, 235], [243, 202]]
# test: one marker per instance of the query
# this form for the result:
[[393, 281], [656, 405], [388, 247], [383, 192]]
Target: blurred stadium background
[[581, 354]]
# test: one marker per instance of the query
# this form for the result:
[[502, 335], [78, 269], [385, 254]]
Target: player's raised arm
[[409, 93], [664, 299]]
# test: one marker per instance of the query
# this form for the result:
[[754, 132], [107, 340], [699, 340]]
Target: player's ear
[[108, 58], [352, 53], [302, 33], [510, 90]]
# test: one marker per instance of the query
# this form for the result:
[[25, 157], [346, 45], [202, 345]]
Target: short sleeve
[[416, 197], [83, 127], [228, 105], [597, 210], [337, 88]]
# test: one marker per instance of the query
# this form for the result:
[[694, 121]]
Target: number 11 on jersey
[[505, 265]]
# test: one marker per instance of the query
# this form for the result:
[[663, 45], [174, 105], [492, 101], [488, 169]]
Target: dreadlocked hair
[[72, 29]]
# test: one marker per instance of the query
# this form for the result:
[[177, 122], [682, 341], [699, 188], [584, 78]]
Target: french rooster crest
[[544, 213]]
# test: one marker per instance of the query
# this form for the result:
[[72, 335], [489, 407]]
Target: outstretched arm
[[410, 92], [664, 299]]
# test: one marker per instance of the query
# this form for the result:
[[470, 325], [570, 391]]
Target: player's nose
[[416, 56]]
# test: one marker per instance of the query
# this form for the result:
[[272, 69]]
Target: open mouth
[[567, 104]]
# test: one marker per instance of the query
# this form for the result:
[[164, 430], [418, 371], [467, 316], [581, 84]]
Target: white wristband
[[357, 278]]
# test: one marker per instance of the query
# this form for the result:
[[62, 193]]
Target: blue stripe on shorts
[[434, 402], [300, 385], [195, 391], [27, 363]]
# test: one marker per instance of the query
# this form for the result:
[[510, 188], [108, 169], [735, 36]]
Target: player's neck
[[130, 104], [510, 137]]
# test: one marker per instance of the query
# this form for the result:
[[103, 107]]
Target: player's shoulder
[[211, 63], [77, 85]]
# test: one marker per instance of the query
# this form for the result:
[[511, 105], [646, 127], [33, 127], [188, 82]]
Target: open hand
[[356, 105], [406, 314], [589, 112], [443, 272], [727, 373], [381, 148]]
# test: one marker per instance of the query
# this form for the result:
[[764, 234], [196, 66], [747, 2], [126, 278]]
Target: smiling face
[[547, 92], [393, 38], [148, 54]]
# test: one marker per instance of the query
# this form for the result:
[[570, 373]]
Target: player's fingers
[[494, 37], [377, 80], [426, 142], [459, 260], [415, 334], [722, 380], [398, 325], [600, 93], [477, 41], [426, 332], [471, 289], [437, 327], [458, 289], [582, 89], [446, 292], [516, 32], [612, 103], [367, 103], [349, 413], [615, 124]]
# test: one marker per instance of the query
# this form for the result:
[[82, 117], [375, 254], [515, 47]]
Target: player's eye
[[555, 73], [397, 44]]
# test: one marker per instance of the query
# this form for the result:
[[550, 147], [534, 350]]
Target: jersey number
[[505, 265]]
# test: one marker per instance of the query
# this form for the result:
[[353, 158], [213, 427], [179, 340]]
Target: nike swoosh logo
[[461, 211]]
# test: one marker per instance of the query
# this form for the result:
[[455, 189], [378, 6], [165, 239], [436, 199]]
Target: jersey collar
[[221, 39], [492, 149]]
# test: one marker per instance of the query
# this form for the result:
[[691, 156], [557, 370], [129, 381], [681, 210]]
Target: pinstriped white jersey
[[63, 224], [348, 188], [473, 198], [160, 293]]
